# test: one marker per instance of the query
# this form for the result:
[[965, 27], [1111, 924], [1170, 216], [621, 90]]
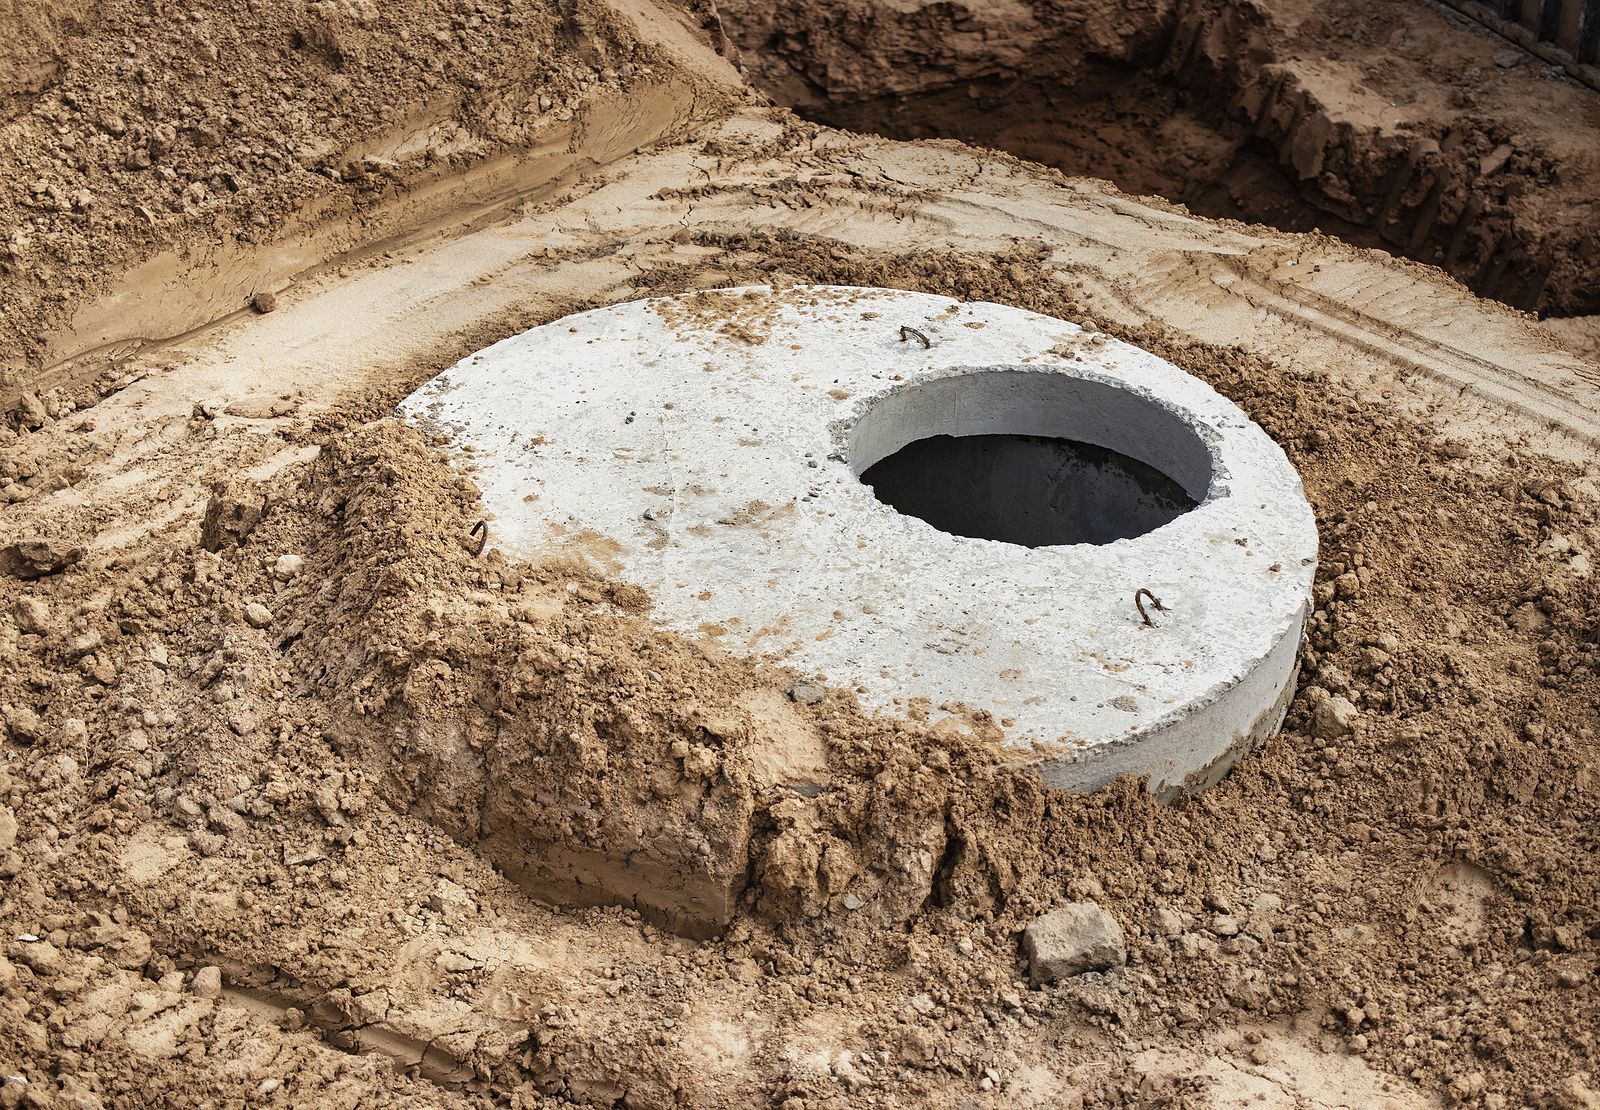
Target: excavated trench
[[1190, 102]]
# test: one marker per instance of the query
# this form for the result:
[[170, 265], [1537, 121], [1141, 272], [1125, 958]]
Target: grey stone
[[806, 693], [1075, 938], [207, 982]]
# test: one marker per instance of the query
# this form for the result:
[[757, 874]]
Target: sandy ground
[[1391, 123], [279, 747]]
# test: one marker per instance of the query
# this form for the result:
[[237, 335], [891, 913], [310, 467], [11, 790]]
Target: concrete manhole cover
[[920, 499]]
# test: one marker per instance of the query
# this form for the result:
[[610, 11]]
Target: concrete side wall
[[1196, 750], [1020, 402]]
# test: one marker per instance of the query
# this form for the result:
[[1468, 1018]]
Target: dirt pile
[[137, 131], [474, 687], [1393, 126]]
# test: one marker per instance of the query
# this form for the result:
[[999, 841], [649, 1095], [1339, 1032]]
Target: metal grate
[[1563, 32]]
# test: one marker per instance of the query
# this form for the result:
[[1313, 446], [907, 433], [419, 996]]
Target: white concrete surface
[[707, 448]]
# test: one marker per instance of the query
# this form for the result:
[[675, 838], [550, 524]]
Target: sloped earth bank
[[168, 164], [281, 751], [1393, 125]]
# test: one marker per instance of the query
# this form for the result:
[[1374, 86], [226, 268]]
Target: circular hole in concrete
[[1030, 457], [1036, 491]]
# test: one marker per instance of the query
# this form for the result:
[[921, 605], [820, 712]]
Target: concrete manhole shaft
[[1037, 459], [745, 455]]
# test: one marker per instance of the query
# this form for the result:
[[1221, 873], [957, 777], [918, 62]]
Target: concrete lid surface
[[699, 446]]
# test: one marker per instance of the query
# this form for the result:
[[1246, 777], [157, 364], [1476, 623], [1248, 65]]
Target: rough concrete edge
[[1083, 770]]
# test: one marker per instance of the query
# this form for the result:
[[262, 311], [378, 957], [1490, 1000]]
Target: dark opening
[[1036, 491]]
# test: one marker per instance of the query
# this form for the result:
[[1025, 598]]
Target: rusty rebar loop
[[1155, 603], [907, 332], [480, 532]]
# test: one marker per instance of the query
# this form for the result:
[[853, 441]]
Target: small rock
[[1076, 938], [1577, 1094], [257, 615], [8, 828], [299, 857], [207, 982], [1166, 922], [1508, 59], [806, 693], [1333, 718], [288, 566], [42, 956], [264, 302], [32, 615], [22, 722], [37, 558], [30, 412], [206, 843], [231, 515], [326, 800], [82, 644], [1573, 975], [1493, 162], [225, 821], [1333, 677]]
